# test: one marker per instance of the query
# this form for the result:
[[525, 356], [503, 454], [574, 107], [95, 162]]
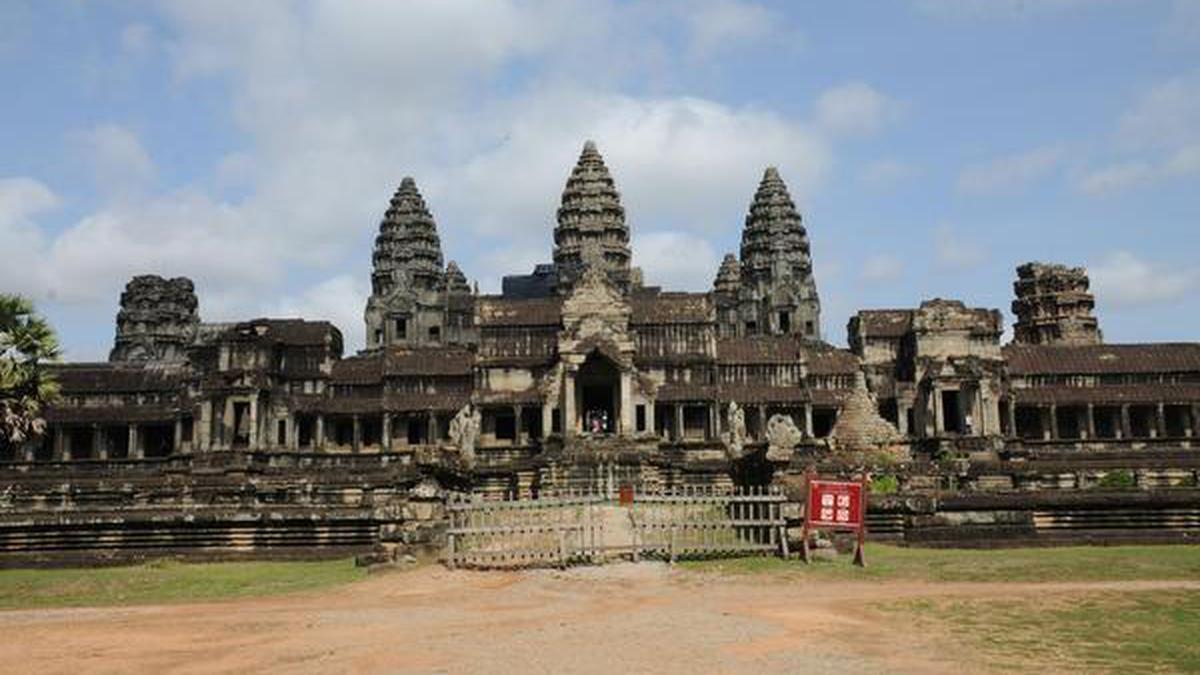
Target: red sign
[[835, 505]]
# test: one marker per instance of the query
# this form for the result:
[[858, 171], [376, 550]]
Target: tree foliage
[[26, 342]]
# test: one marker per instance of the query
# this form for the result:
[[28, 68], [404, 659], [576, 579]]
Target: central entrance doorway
[[599, 384]]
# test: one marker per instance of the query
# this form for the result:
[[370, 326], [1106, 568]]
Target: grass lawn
[[1076, 563], [1105, 631], [167, 581]]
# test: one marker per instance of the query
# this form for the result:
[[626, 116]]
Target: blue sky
[[932, 145]]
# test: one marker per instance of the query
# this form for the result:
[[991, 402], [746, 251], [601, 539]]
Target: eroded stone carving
[[464, 432], [735, 438], [782, 437]]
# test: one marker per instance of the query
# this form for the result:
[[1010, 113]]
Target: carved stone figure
[[735, 438], [782, 437], [464, 432]]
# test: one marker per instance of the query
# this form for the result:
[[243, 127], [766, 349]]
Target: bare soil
[[620, 618]]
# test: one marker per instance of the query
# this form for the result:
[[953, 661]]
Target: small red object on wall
[[836, 505]]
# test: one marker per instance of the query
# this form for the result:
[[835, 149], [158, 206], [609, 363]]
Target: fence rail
[[573, 528]]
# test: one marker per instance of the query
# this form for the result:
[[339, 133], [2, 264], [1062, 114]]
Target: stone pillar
[[98, 449], [547, 418], [1012, 418], [227, 429], [431, 428], [1160, 421], [293, 432], [356, 436], [1054, 421], [939, 421], [204, 442], [252, 442], [901, 418], [679, 422], [61, 452], [626, 415], [650, 421], [808, 421], [135, 443], [319, 439], [762, 423], [385, 440], [517, 430], [177, 441], [1091, 421], [568, 406], [1126, 423]]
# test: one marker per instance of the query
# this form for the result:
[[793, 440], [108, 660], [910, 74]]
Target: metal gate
[[688, 522]]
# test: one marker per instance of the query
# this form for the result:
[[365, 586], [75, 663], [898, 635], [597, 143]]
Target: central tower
[[591, 228]]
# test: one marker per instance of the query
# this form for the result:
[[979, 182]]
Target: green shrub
[[886, 484], [1120, 479]]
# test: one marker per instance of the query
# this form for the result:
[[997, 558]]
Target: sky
[[931, 146]]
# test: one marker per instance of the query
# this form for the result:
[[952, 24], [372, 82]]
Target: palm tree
[[26, 340]]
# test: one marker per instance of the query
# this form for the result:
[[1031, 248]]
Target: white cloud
[[676, 260], [1124, 280], [1159, 136], [120, 162], [1115, 178], [21, 199], [724, 24], [886, 173], [881, 267], [339, 299], [1010, 172], [854, 108], [1164, 117], [953, 251]]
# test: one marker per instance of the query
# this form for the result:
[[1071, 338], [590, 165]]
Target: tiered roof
[[591, 223], [407, 250]]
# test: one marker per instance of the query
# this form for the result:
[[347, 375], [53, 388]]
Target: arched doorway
[[598, 388]]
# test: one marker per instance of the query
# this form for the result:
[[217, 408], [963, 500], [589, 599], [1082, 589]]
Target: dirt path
[[619, 618]]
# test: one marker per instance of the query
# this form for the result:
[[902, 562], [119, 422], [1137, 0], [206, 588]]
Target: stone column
[[177, 441], [204, 442], [1012, 418], [431, 429], [385, 440], [61, 452], [227, 429], [356, 436], [808, 420], [939, 421], [679, 435], [547, 418], [1126, 423], [135, 443], [650, 417], [98, 449], [319, 439], [762, 422], [1054, 421], [1091, 421], [626, 396], [568, 406], [1160, 421], [901, 418], [293, 432], [517, 430], [252, 442]]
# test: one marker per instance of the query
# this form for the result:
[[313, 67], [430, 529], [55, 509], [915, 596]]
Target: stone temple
[[578, 373]]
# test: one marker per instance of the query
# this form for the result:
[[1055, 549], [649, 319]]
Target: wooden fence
[[703, 522], [574, 528]]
